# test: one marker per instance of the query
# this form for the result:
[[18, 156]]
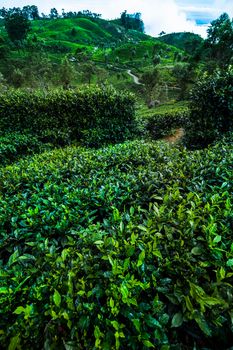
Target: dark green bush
[[15, 145], [164, 119], [211, 109], [127, 247], [77, 113]]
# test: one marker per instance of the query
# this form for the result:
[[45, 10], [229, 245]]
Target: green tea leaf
[[14, 343], [148, 344], [19, 310], [136, 323], [199, 318], [57, 298], [4, 290], [177, 320], [197, 251], [217, 239], [141, 258], [230, 262]]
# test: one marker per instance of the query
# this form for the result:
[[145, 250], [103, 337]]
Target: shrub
[[80, 112], [164, 119], [15, 145], [211, 108], [124, 247]]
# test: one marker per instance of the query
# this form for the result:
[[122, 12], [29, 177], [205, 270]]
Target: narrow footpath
[[177, 136], [135, 78]]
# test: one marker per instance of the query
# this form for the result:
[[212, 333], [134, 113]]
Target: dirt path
[[135, 78], [177, 136]]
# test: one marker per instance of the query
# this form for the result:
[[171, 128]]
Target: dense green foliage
[[162, 120], [212, 108], [132, 21], [15, 145], [135, 53], [128, 246], [219, 40], [82, 38], [17, 25], [125, 247], [184, 41], [91, 115], [99, 32]]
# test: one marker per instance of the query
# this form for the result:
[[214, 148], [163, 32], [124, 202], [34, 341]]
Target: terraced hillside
[[84, 31]]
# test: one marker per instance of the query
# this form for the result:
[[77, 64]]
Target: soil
[[177, 136]]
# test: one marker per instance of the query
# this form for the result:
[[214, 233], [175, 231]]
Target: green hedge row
[[161, 122], [211, 102], [15, 145], [127, 247], [91, 115]]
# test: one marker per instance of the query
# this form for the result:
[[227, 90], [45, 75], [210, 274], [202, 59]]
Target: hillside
[[184, 41], [65, 35], [98, 51], [101, 38], [82, 31]]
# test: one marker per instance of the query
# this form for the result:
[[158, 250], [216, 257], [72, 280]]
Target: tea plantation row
[[126, 247], [15, 145], [91, 116]]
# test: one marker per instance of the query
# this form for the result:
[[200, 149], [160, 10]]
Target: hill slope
[[184, 41], [85, 31]]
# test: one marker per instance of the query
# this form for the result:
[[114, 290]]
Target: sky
[[158, 15]]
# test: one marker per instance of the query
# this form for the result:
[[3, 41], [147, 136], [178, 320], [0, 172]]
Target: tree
[[156, 60], [17, 25], [117, 60], [3, 12], [106, 57], [66, 73], [211, 108], [53, 13], [162, 33], [133, 53], [3, 83], [17, 78], [146, 55], [132, 21], [151, 81], [73, 32], [4, 51], [88, 70], [124, 19], [184, 75], [220, 39], [31, 12]]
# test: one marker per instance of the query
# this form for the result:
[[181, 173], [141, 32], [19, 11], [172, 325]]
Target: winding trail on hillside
[[135, 78]]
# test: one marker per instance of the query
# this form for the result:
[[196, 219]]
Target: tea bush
[[211, 109], [72, 115], [125, 247], [15, 145], [161, 121]]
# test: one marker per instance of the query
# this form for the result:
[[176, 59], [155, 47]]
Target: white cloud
[[224, 6], [157, 15]]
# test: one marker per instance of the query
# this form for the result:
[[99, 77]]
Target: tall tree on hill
[[156, 60], [3, 12], [151, 82], [88, 70], [31, 12], [53, 13], [220, 39], [132, 21], [17, 25], [67, 73]]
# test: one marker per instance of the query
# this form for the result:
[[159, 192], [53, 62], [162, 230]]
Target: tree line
[[31, 12]]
